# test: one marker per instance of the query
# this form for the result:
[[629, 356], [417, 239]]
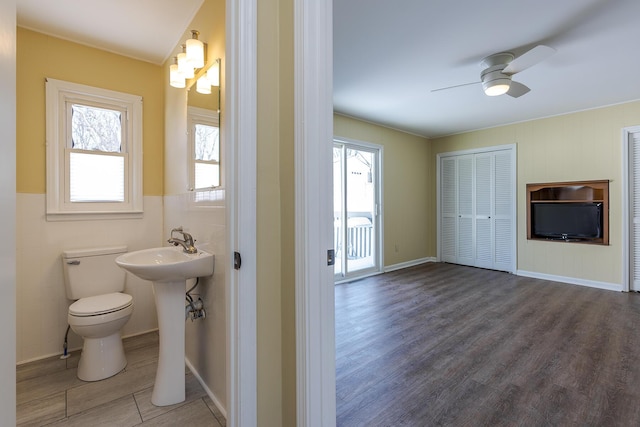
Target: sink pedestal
[[168, 268], [169, 387]]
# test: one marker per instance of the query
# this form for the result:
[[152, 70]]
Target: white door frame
[[313, 145], [8, 212], [626, 207], [315, 341], [240, 130]]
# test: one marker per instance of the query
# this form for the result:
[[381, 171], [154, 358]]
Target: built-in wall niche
[[575, 212]]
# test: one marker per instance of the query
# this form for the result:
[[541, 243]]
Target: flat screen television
[[567, 221]]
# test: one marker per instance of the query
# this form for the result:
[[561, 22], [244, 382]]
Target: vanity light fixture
[[195, 50], [176, 79], [213, 73], [203, 85], [183, 64]]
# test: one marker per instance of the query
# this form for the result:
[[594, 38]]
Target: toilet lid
[[100, 304]]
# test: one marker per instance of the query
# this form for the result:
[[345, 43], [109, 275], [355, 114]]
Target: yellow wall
[[574, 147], [272, 201], [40, 56], [409, 185]]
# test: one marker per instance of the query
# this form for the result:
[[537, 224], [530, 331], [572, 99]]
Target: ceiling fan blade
[[528, 59], [516, 89], [453, 87]]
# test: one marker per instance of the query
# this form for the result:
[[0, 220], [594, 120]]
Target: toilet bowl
[[98, 321], [93, 279]]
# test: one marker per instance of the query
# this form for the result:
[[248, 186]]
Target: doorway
[[357, 227]]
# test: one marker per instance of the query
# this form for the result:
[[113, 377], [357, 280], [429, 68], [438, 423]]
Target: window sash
[[82, 188], [70, 102]]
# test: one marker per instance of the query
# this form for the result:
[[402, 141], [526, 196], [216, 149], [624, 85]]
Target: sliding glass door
[[356, 201]]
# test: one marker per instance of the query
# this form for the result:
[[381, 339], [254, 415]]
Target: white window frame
[[58, 94], [208, 195]]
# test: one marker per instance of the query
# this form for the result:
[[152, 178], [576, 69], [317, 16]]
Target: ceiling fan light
[[496, 87]]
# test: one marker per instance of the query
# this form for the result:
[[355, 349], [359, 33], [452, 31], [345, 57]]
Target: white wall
[[42, 303], [206, 338], [8, 211]]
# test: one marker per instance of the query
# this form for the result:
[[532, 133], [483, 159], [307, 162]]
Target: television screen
[[567, 220]]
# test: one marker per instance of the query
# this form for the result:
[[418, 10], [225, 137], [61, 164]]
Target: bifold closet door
[[634, 178], [476, 209]]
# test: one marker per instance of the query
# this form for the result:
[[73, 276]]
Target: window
[[94, 152], [204, 149]]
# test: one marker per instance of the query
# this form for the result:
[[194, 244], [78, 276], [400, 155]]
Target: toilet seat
[[100, 304]]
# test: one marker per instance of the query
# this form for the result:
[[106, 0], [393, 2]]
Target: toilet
[[93, 279]]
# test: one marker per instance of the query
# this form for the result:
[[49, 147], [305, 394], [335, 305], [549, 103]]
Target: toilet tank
[[89, 272]]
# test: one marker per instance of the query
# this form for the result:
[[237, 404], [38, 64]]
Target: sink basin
[[168, 268], [167, 264]]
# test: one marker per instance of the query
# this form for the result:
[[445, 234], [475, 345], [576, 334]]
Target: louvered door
[[477, 209], [504, 211], [449, 210], [465, 240], [634, 155]]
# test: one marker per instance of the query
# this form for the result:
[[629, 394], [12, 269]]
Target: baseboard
[[407, 264], [135, 334], [71, 350], [205, 387], [571, 280]]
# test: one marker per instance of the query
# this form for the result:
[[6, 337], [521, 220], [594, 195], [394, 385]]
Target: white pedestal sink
[[168, 268]]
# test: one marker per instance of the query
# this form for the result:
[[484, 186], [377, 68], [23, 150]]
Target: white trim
[[239, 132], [514, 196], [313, 142], [8, 212], [408, 264], [58, 93], [478, 150], [570, 280], [626, 207]]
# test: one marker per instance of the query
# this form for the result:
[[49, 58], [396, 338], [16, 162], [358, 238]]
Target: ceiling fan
[[498, 69]]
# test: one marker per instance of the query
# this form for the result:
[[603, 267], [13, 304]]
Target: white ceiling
[[390, 55], [143, 29]]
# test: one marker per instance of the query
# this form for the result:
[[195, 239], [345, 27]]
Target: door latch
[[237, 260], [331, 257]]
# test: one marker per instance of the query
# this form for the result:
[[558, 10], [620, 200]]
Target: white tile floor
[[49, 393]]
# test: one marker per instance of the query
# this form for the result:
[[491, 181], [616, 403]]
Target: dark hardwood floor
[[441, 344]]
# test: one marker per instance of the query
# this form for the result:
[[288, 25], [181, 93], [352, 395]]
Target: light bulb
[[183, 64], [497, 89], [213, 74], [176, 79], [195, 51], [203, 85]]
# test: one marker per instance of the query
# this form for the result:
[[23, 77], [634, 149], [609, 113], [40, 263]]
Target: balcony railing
[[359, 237]]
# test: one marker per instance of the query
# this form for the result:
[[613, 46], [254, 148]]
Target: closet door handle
[[74, 262]]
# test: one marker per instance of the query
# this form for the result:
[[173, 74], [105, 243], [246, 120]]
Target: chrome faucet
[[187, 243]]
